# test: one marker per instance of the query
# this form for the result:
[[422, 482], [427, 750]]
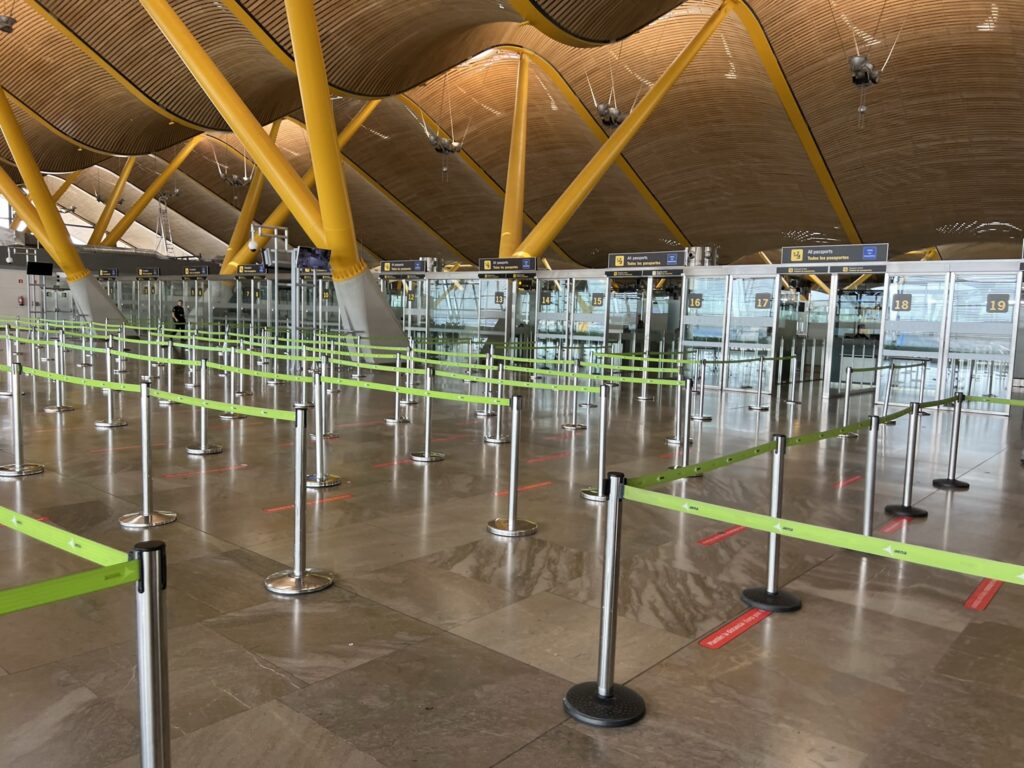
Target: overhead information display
[[403, 266], [650, 260], [509, 265], [104, 273], [200, 271], [834, 254], [148, 272], [252, 269]]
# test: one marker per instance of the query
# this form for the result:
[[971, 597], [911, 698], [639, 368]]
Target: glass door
[[752, 320], [912, 337], [702, 324]]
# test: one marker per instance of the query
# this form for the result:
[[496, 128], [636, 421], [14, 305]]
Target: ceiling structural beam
[[66, 183], [554, 221], [515, 181], [247, 214], [339, 230], [796, 116], [46, 222], [100, 229], [280, 214], [595, 128], [118, 231], [279, 172], [544, 24]]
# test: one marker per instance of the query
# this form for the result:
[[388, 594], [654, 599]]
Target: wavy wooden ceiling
[[933, 161]]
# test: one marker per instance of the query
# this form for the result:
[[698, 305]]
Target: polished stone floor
[[444, 646]]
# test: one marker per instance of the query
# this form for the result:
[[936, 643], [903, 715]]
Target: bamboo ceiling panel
[[52, 153], [602, 20]]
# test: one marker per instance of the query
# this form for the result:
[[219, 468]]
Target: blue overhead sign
[[834, 254]]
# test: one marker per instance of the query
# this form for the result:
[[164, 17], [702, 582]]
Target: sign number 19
[[997, 303]]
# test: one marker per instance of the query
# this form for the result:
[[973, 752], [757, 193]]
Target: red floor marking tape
[[847, 481], [894, 525], [549, 457], [392, 463], [43, 519], [522, 488], [983, 594], [179, 475], [668, 455], [722, 535], [311, 503], [729, 632]]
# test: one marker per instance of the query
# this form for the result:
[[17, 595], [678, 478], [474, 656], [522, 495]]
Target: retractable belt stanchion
[[921, 386], [192, 355], [84, 362], [703, 390], [870, 474], [112, 421], [230, 390], [151, 637], [19, 468], [795, 368], [427, 456], [409, 377], [299, 580], [589, 352], [759, 405], [603, 703], [485, 411], [513, 525], [169, 383], [846, 405], [9, 356], [241, 388], [398, 418], [320, 477], [326, 371], [950, 482], [122, 346], [683, 427], [906, 508], [358, 358], [681, 383], [771, 597], [497, 438], [575, 426], [597, 493], [60, 406], [203, 447], [888, 394], [148, 517]]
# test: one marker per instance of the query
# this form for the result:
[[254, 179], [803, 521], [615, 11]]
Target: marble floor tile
[[987, 655]]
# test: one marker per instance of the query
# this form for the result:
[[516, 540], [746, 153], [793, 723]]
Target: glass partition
[[912, 337], [752, 318]]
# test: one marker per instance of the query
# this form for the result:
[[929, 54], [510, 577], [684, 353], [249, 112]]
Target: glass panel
[[913, 335], [751, 317], [703, 322]]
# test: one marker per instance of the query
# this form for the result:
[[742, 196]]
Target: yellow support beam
[[247, 213], [796, 116], [572, 198], [55, 235], [23, 207], [150, 193], [100, 228], [279, 172], [70, 179], [280, 214], [339, 229], [515, 183]]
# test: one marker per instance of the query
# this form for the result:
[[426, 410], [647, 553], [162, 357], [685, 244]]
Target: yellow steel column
[[335, 210], [70, 179], [572, 198], [151, 192], [100, 228], [247, 213], [57, 240], [23, 207], [515, 183], [796, 116], [280, 214], [229, 104]]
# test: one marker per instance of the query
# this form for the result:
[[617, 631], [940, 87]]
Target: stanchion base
[[163, 403], [243, 394], [676, 441], [593, 494], [794, 402], [898, 510], [700, 418], [760, 408], [408, 402], [624, 707], [587, 405], [358, 376], [485, 414], [230, 416], [950, 484], [138, 520], [780, 602], [111, 424], [426, 458], [12, 470], [645, 398], [204, 450], [500, 527], [322, 481], [849, 435], [190, 385], [923, 413], [395, 422], [271, 382], [573, 427], [58, 408], [287, 583], [498, 440]]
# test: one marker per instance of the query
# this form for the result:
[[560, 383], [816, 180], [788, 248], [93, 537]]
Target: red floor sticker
[[311, 503], [522, 488], [549, 457], [729, 632], [179, 475], [896, 524], [983, 594], [707, 541], [847, 481]]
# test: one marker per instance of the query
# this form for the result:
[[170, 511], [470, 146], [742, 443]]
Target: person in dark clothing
[[178, 315]]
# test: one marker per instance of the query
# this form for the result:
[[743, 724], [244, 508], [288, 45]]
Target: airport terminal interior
[[520, 383]]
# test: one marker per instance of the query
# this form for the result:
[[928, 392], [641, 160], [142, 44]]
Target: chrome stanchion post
[[512, 525], [771, 597], [497, 438], [888, 394], [575, 426], [230, 390], [868, 521], [703, 389], [598, 492], [19, 468], [148, 517], [151, 637], [846, 404], [320, 477], [409, 377], [485, 412], [9, 356], [358, 373], [759, 405], [111, 422], [242, 389], [906, 508], [299, 580], [398, 418], [603, 703], [681, 384], [327, 411], [685, 424], [794, 367], [203, 447], [950, 482], [426, 456], [60, 406]]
